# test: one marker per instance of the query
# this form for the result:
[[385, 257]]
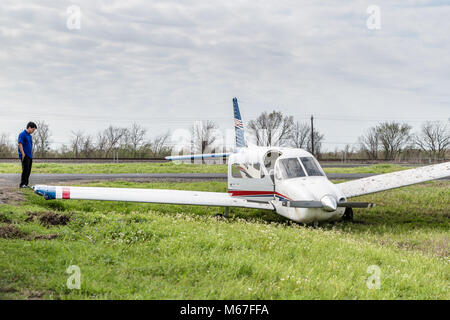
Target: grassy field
[[377, 168], [148, 251], [168, 167]]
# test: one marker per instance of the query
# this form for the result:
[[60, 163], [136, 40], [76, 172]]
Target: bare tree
[[300, 135], [135, 137], [203, 136], [114, 138], [272, 129], [6, 149], [369, 143], [393, 137], [434, 139], [87, 146], [42, 138], [101, 144], [76, 142], [159, 145], [318, 140]]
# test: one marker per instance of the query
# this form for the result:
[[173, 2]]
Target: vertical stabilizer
[[238, 125]]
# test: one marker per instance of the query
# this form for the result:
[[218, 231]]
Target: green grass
[[149, 251], [168, 167], [377, 169]]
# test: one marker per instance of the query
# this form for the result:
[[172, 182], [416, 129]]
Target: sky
[[83, 65]]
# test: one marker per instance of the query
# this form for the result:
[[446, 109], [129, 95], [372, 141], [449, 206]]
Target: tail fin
[[238, 125]]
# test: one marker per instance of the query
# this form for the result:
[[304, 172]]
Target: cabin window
[[246, 170], [290, 168], [311, 166]]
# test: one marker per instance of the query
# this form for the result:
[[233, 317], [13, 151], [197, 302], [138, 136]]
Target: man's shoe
[[24, 186]]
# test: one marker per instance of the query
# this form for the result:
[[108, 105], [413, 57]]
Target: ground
[[150, 251]]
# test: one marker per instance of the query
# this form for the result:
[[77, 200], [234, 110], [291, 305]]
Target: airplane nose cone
[[329, 203]]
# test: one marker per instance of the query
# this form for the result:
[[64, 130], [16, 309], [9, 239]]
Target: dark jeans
[[27, 163]]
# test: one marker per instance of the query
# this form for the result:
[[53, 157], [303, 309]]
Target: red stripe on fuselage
[[249, 193], [66, 193], [243, 193]]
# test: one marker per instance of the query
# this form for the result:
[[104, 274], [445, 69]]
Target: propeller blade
[[356, 204], [303, 204], [319, 204]]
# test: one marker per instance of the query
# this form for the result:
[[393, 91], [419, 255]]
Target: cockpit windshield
[[311, 166], [291, 168]]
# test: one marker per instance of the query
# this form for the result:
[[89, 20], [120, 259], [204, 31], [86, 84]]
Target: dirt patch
[[23, 293], [48, 218], [4, 219], [12, 232], [42, 237], [33, 294], [7, 290], [11, 196], [440, 248], [436, 247]]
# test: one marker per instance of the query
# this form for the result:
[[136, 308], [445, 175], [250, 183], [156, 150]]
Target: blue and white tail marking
[[238, 125]]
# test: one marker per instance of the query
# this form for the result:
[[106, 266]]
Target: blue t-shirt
[[27, 142]]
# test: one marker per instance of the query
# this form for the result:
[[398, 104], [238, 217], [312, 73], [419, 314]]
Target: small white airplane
[[285, 180]]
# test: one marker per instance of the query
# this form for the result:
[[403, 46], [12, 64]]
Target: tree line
[[131, 142], [389, 140]]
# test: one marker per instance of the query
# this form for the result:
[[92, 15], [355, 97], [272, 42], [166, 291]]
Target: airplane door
[[270, 159], [249, 179]]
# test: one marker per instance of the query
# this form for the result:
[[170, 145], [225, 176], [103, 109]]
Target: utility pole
[[312, 135]]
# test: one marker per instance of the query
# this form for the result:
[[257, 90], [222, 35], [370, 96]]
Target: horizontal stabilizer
[[197, 156]]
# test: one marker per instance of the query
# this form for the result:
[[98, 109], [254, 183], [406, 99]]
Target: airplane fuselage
[[280, 175]]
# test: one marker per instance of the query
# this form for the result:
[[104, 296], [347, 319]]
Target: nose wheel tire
[[348, 214]]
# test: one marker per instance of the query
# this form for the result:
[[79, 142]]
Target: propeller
[[327, 203]]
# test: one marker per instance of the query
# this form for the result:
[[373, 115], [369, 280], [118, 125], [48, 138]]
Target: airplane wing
[[200, 198], [394, 180]]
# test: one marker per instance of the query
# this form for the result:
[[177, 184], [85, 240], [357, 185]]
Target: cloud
[[166, 63]]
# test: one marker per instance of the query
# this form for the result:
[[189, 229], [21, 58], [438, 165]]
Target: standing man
[[26, 152]]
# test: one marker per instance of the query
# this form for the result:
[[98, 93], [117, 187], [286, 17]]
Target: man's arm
[[21, 150]]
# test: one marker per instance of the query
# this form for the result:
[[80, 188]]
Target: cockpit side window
[[311, 166], [290, 168], [246, 170], [269, 162]]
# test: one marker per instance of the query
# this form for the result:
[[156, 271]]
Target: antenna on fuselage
[[238, 125]]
